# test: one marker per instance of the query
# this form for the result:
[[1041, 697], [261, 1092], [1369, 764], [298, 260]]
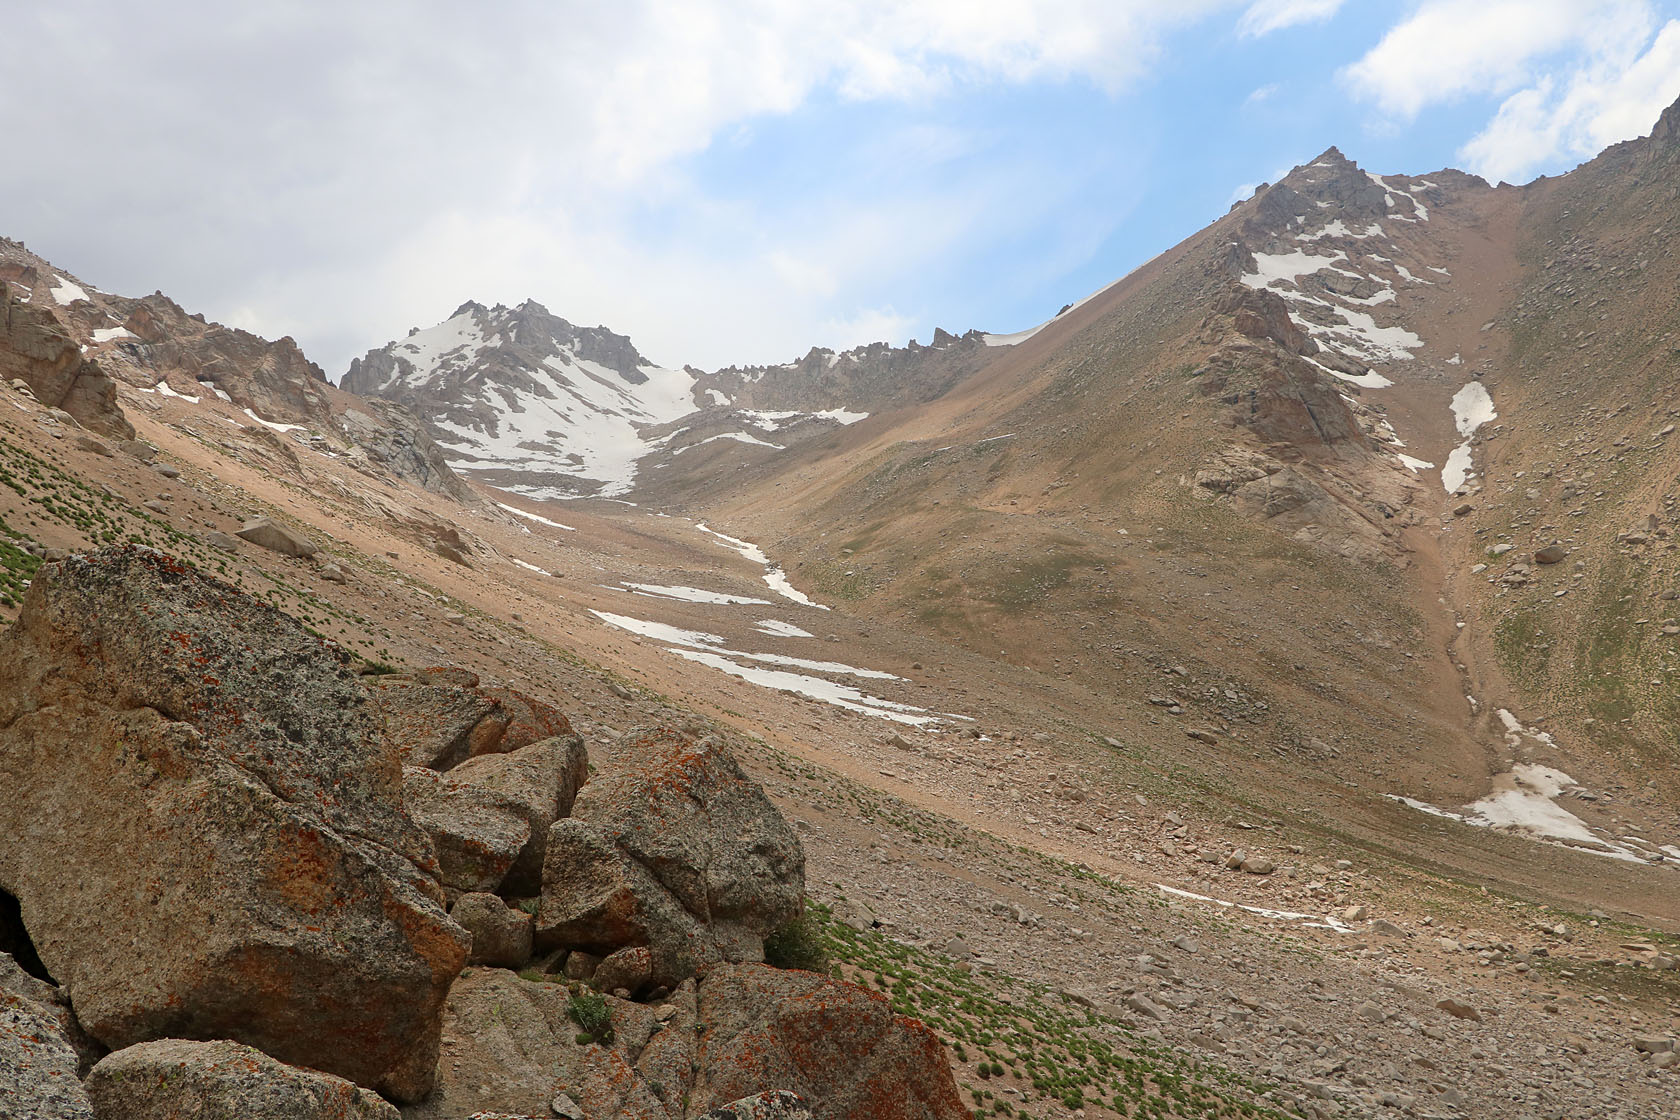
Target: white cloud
[[1266, 16], [1448, 49], [1602, 102], [1263, 93], [1573, 75], [340, 172]]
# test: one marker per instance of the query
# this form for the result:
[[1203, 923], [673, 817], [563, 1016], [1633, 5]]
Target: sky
[[736, 181]]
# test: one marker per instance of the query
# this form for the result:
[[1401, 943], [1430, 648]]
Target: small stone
[[1459, 1010], [167, 471], [1258, 865], [1463, 508], [566, 1108], [1145, 1006], [1551, 554], [1356, 913], [1234, 861]]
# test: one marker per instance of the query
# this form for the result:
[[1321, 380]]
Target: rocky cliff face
[[35, 351], [152, 339], [273, 379]]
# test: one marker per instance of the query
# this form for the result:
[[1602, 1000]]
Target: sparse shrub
[[589, 1010], [800, 944]]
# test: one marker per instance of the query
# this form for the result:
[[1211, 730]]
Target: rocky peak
[[1667, 130]]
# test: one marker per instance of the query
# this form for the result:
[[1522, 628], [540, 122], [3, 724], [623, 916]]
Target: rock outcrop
[[540, 781], [249, 873], [273, 379], [837, 1045], [173, 1079], [35, 349], [439, 718], [743, 1032], [267, 533], [38, 1062], [478, 833], [392, 437], [680, 853]]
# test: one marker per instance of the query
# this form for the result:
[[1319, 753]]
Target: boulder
[[778, 1104], [679, 852], [172, 1079], [38, 1064], [542, 780], [513, 1048], [437, 720], [478, 832], [501, 935], [838, 1046], [249, 873], [275, 537], [50, 1000]]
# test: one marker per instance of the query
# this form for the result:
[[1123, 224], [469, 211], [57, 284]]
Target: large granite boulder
[[542, 780], [436, 719], [248, 872], [478, 832], [514, 1048], [841, 1048], [270, 534], [745, 1037], [678, 851], [175, 1079], [38, 1063]]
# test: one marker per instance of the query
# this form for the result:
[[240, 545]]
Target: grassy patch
[[1026, 1050]]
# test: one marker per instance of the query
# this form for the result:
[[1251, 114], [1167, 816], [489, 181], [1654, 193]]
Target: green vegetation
[[800, 944], [588, 1009], [1524, 649], [1052, 1049]]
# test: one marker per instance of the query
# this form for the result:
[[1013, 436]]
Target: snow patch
[[1523, 801], [67, 292], [781, 629], [517, 512], [1472, 406], [1415, 465], [111, 334], [693, 595], [707, 649], [774, 577], [738, 437], [271, 425], [163, 389], [1309, 921], [530, 567]]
